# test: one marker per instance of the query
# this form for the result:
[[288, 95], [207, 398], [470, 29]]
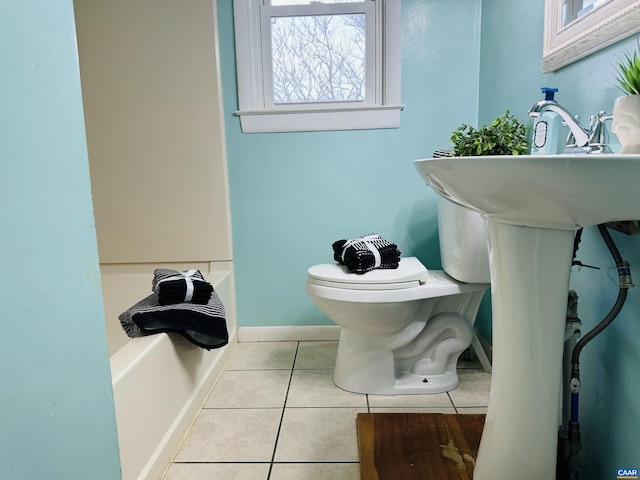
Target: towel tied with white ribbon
[[182, 303], [365, 253], [173, 286]]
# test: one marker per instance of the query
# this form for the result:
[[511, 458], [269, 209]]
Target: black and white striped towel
[[365, 253], [173, 286], [203, 325]]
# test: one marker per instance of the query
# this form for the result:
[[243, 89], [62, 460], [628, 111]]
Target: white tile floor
[[275, 414]]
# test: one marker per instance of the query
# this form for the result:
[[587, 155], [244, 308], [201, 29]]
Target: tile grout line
[[284, 406], [269, 463], [453, 403]]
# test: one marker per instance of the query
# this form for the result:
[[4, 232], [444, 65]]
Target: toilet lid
[[410, 273]]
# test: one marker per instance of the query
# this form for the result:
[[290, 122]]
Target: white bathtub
[[159, 383]]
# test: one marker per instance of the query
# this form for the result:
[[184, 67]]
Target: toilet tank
[[464, 250]]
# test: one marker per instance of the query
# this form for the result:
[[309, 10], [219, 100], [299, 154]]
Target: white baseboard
[[289, 333]]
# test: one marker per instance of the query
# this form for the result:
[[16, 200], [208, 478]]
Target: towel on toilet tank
[[173, 286], [365, 253]]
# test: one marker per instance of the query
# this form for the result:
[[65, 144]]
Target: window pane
[[318, 58]]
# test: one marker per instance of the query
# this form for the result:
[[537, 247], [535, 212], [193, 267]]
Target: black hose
[[571, 468], [610, 244], [622, 296]]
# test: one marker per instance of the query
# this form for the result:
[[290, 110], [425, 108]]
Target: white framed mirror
[[599, 24]]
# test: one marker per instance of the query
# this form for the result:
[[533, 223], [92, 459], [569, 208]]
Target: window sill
[[358, 118]]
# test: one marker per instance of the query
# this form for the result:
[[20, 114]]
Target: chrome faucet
[[579, 135], [580, 140]]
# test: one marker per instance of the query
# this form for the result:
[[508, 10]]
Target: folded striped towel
[[173, 286], [365, 253], [203, 325]]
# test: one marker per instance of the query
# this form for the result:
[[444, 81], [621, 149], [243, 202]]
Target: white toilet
[[404, 329]]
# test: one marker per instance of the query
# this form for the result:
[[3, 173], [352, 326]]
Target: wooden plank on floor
[[418, 446]]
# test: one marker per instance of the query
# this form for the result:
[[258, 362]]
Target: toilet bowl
[[403, 329]]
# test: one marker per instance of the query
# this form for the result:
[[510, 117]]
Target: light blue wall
[[57, 420], [510, 77], [293, 194]]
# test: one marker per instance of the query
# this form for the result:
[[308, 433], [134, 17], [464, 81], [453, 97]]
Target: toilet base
[[409, 384], [368, 365]]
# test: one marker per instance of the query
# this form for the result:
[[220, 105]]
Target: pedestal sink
[[533, 205]]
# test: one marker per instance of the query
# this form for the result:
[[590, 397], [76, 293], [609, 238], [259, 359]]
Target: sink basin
[[552, 191], [532, 205]]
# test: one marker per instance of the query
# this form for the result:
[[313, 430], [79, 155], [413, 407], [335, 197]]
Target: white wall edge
[[289, 333]]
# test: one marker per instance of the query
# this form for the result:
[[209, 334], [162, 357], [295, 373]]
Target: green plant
[[628, 73], [506, 135]]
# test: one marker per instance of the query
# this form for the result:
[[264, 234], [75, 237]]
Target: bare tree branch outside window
[[318, 58]]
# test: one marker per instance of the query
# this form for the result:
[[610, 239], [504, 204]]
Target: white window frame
[[382, 107]]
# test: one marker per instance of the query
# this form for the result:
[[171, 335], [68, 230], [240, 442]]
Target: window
[[306, 65], [574, 9]]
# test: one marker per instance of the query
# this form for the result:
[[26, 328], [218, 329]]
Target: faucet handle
[[599, 138]]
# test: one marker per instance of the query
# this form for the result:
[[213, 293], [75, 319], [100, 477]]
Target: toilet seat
[[410, 273], [410, 281]]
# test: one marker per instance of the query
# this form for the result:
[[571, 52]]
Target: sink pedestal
[[530, 265], [529, 285]]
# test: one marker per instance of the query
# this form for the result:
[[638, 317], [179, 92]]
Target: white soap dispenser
[[546, 128]]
